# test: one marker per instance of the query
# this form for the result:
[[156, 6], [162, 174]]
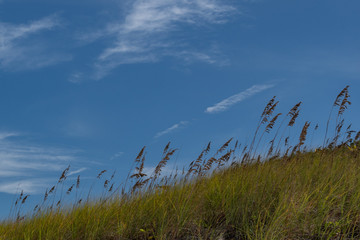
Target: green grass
[[314, 195]]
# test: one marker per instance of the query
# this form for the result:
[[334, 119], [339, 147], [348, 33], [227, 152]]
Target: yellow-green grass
[[313, 195]]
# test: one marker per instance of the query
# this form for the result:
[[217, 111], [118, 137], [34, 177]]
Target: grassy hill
[[283, 194]]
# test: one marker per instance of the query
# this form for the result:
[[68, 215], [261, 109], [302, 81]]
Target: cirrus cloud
[[228, 102], [154, 29], [16, 53]]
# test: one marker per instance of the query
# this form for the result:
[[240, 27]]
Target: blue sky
[[88, 83]]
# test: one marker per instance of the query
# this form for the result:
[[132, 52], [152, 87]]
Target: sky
[[89, 83]]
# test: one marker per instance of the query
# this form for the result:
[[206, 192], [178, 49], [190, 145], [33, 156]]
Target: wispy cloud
[[19, 159], [116, 155], [171, 129], [4, 135], [77, 171], [228, 102], [76, 77], [9, 32], [147, 32], [17, 53], [29, 186]]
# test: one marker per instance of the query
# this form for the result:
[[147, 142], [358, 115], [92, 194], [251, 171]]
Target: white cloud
[[228, 102], [171, 129], [160, 15], [146, 33], [10, 173], [4, 135], [19, 159], [15, 51], [29, 186], [192, 56], [9, 32], [117, 155], [76, 77], [77, 171]]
